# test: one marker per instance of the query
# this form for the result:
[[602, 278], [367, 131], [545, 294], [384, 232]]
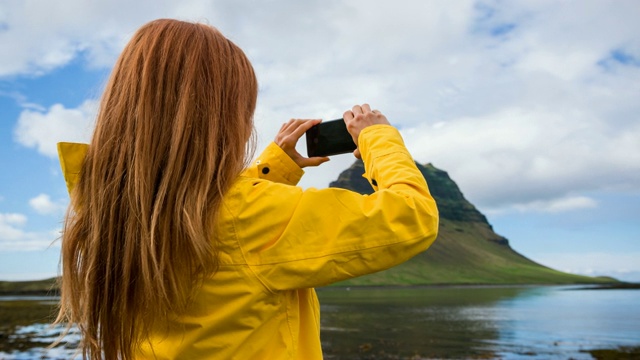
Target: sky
[[530, 106]]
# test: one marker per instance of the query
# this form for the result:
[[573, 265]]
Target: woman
[[175, 248]]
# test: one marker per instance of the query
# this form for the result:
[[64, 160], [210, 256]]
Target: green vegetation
[[39, 287], [18, 314], [625, 352], [467, 250], [465, 254]]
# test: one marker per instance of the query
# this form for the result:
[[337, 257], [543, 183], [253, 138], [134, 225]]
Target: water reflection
[[25, 331], [565, 323], [415, 323], [489, 322], [404, 323]]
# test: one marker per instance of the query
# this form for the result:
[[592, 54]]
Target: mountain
[[467, 250]]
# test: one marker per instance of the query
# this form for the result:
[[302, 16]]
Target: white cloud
[[565, 66], [14, 238], [529, 120], [43, 36], [13, 219], [27, 276], [525, 104], [44, 205], [21, 100], [511, 98], [535, 159], [625, 266], [564, 204], [42, 130]]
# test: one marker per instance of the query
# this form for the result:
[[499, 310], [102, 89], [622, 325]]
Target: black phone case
[[329, 138]]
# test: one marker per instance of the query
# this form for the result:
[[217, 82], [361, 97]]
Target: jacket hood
[[71, 157]]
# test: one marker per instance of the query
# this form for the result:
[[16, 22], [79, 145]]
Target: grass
[[469, 253], [625, 352], [465, 253], [467, 250], [37, 287], [19, 313]]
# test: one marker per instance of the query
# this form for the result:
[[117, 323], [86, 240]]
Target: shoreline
[[25, 331], [577, 286]]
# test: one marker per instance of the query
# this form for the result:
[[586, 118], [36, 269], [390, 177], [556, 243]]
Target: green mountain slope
[[467, 250]]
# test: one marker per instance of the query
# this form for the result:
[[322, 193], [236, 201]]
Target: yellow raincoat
[[278, 242]]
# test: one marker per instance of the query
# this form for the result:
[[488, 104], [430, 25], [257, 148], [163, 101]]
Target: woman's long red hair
[[171, 137]]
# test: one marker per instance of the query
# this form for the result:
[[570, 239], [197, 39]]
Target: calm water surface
[[480, 322], [415, 323]]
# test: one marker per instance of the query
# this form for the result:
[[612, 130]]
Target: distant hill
[[467, 250], [35, 288]]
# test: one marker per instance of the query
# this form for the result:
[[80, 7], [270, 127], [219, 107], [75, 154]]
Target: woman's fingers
[[358, 110], [291, 131], [305, 125], [314, 161], [298, 127], [287, 139], [289, 126], [348, 115], [360, 117], [356, 119]]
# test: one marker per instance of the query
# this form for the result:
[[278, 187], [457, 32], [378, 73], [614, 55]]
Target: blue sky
[[531, 106]]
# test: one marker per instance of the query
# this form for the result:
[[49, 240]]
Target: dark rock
[[452, 204]]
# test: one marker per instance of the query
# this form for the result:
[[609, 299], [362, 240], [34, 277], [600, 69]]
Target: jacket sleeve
[[292, 238], [274, 165]]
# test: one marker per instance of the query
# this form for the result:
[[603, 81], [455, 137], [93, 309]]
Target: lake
[[415, 323]]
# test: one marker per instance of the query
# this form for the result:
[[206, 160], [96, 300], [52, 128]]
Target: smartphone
[[329, 138]]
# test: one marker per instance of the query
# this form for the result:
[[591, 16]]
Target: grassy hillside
[[463, 255], [39, 287], [467, 250]]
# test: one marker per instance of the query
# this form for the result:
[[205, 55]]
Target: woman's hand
[[358, 118], [288, 137]]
